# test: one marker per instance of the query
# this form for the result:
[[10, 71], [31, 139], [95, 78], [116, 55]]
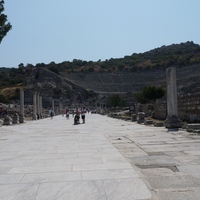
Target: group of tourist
[[77, 114]]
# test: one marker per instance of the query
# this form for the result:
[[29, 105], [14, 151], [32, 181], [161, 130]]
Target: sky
[[45, 31]]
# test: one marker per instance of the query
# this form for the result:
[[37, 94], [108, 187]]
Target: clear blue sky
[[62, 30]]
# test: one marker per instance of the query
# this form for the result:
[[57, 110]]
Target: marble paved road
[[52, 159], [104, 159]]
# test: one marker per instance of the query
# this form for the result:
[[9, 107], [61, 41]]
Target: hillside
[[80, 79], [183, 54]]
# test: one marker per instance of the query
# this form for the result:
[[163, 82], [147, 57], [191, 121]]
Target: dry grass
[[7, 92]]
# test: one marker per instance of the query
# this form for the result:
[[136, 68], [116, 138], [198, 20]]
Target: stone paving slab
[[105, 158], [159, 161], [189, 194], [190, 169], [53, 159]]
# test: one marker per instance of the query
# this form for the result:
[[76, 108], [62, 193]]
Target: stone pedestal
[[172, 121], [15, 119], [7, 120], [1, 122], [140, 117], [21, 119], [133, 117]]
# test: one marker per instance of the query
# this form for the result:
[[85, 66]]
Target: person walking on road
[[77, 117], [67, 113], [51, 114], [83, 112]]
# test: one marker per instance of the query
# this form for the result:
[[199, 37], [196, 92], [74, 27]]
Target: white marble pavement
[[52, 159]]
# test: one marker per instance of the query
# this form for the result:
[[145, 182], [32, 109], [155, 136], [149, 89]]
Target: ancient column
[[53, 105], [172, 121], [38, 105], [34, 107], [41, 115], [21, 113]]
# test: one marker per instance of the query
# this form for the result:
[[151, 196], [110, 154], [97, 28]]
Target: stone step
[[159, 124], [194, 126]]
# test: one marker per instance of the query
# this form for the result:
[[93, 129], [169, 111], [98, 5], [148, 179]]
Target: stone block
[[7, 120], [15, 119], [159, 124], [148, 122], [140, 117], [193, 126], [1, 122], [134, 117]]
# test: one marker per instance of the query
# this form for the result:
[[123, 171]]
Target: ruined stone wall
[[160, 111], [189, 107]]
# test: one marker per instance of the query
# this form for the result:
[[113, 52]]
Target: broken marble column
[[172, 121], [34, 107], [21, 113]]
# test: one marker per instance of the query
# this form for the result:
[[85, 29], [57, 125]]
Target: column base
[[1, 122], [21, 119], [34, 117], [173, 122]]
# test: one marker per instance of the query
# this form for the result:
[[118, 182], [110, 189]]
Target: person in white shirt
[[83, 112]]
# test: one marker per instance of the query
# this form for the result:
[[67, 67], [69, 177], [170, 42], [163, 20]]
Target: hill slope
[[129, 74]]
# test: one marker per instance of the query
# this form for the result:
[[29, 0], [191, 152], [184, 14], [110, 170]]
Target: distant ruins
[[91, 89]]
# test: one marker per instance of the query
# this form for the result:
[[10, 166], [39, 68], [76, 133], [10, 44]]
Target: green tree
[[149, 93], [140, 98], [115, 100], [152, 92], [91, 69], [4, 26], [54, 69]]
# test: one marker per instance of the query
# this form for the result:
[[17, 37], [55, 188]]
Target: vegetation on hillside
[[149, 93], [115, 101], [173, 55], [11, 77], [184, 54], [9, 94]]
